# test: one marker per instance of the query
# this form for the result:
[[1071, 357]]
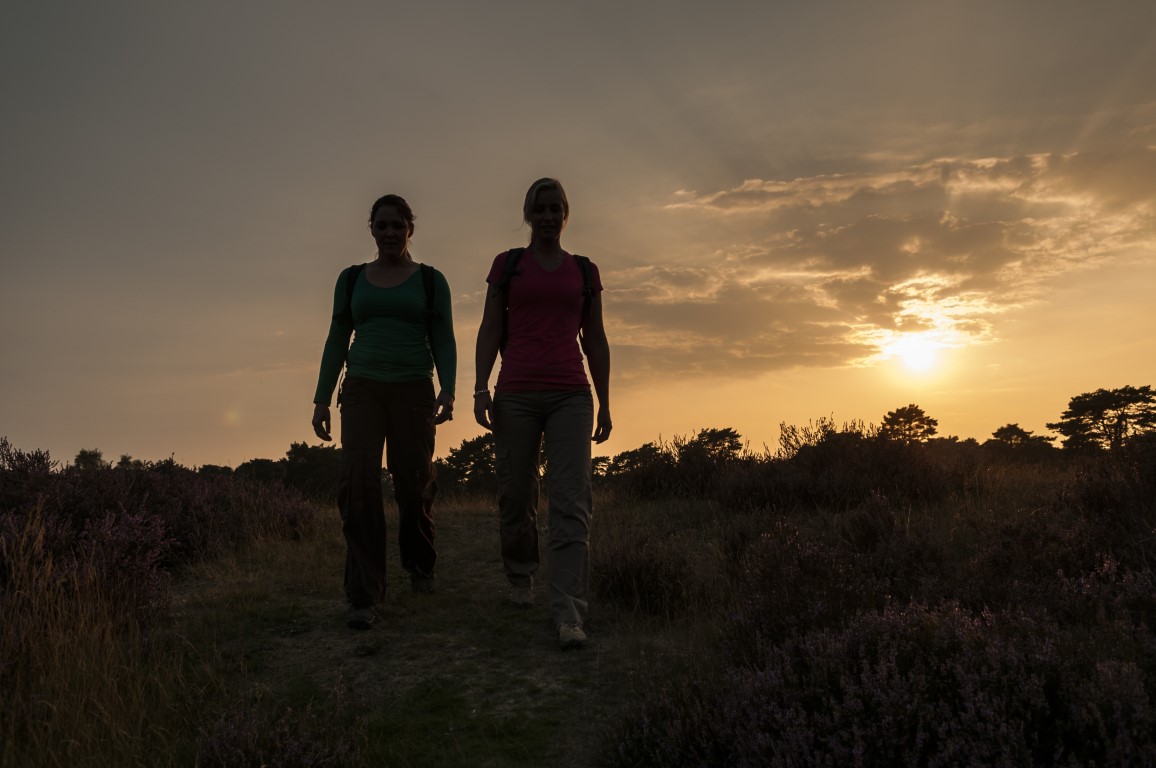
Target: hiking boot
[[570, 635], [422, 584], [522, 597], [359, 618]]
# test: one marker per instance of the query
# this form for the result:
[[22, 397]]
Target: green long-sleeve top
[[391, 339]]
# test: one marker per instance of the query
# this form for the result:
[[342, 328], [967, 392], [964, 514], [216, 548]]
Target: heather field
[[850, 599]]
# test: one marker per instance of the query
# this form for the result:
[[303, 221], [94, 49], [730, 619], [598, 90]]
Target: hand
[[603, 427], [444, 408], [321, 421], [484, 410]]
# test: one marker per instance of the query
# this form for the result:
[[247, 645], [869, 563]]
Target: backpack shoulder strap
[[587, 283], [513, 256], [428, 282], [587, 286], [431, 312], [353, 273]]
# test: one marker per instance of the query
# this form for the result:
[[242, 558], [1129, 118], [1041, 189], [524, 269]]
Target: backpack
[[346, 314], [513, 256]]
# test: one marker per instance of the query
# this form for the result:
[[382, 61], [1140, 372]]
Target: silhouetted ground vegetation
[[87, 556], [884, 602], [859, 596]]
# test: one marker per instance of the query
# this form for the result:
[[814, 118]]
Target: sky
[[800, 210]]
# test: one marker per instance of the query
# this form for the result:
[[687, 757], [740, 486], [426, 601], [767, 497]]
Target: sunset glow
[[918, 353], [797, 210]]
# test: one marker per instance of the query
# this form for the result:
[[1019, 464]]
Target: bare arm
[[486, 354], [597, 350]]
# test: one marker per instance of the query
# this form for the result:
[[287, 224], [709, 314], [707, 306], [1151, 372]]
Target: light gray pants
[[560, 423]]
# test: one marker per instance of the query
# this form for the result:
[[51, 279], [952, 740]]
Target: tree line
[[1103, 421]]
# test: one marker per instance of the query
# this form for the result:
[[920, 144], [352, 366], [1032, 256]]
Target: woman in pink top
[[543, 310]]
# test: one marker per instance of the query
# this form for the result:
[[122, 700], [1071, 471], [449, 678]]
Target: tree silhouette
[[908, 425], [645, 472], [128, 462], [261, 470], [1107, 418], [645, 458], [90, 458], [312, 469], [711, 445], [701, 459], [599, 466], [469, 468], [1015, 436]]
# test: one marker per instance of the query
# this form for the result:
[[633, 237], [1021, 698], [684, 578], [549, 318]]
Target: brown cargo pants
[[399, 417]]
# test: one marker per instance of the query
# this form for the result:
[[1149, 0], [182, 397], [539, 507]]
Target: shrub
[[647, 472], [1117, 494], [129, 528], [843, 470], [89, 672], [913, 686], [643, 573], [795, 583]]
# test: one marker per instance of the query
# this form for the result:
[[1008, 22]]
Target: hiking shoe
[[522, 597], [359, 618], [570, 635], [422, 584]]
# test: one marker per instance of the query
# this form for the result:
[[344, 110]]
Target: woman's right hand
[[321, 423], [484, 410]]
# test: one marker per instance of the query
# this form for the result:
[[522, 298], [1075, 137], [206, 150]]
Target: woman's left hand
[[444, 408], [603, 426]]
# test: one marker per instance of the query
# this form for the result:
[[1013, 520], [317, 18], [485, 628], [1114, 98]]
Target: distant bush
[[818, 466], [647, 472], [468, 470], [166, 508], [843, 470], [313, 470]]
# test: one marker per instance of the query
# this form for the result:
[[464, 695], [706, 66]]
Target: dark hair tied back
[[396, 201]]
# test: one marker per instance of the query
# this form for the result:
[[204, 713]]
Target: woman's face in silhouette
[[390, 231], [547, 216]]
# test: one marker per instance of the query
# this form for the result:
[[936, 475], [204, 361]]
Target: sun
[[917, 352]]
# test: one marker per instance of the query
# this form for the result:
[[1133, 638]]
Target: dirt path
[[456, 677]]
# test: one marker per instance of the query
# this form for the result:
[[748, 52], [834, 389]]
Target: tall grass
[[90, 668], [85, 680]]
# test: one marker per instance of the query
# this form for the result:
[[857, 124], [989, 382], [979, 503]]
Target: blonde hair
[[532, 197]]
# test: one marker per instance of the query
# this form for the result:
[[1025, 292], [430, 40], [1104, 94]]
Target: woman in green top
[[400, 311]]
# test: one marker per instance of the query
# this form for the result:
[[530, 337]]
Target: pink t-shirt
[[542, 350]]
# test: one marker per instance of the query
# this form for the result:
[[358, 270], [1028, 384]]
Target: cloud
[[830, 270]]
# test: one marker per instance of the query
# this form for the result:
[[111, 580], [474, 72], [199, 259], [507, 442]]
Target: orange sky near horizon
[[799, 211]]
